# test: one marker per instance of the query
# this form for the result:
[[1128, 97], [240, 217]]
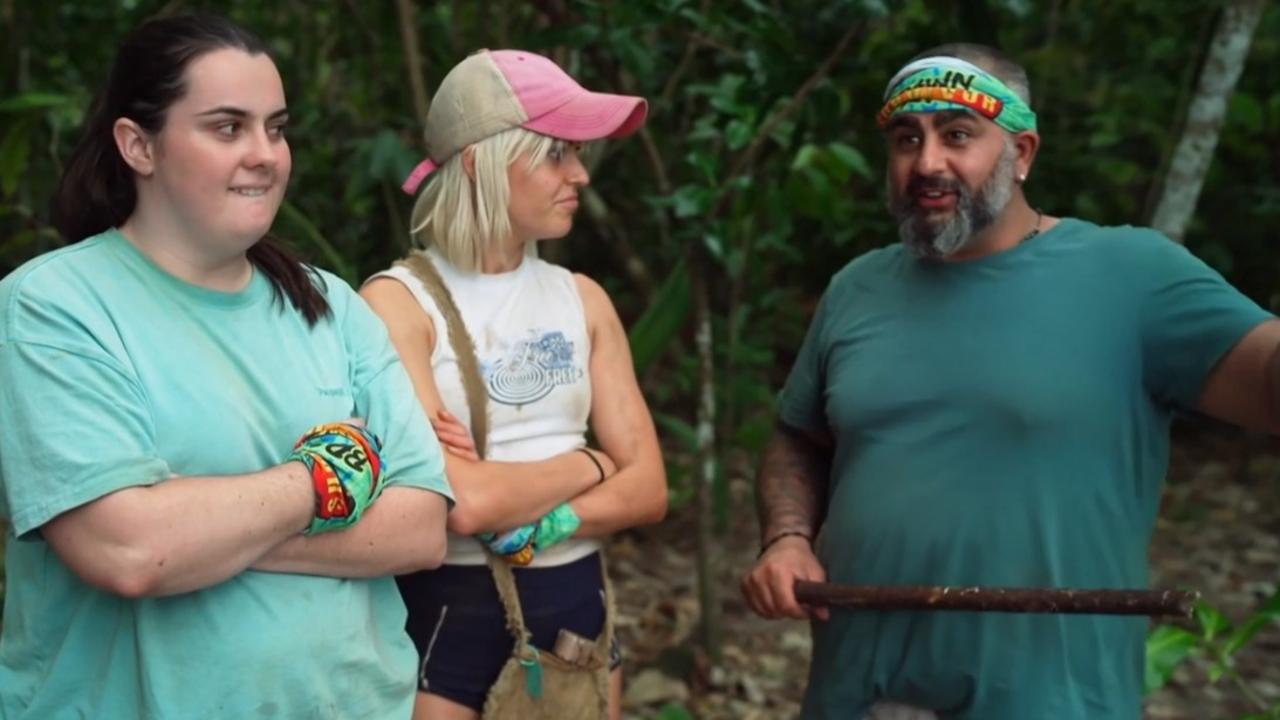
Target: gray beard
[[974, 212]]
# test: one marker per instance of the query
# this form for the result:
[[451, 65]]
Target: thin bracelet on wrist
[[594, 461], [779, 536]]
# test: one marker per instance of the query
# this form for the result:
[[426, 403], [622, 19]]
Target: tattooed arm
[[791, 486], [791, 493]]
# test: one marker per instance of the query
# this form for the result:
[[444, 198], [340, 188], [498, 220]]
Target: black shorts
[[457, 622]]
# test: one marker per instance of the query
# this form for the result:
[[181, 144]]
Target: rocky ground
[[1219, 532]]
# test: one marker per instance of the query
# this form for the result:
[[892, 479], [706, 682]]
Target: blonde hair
[[464, 218]]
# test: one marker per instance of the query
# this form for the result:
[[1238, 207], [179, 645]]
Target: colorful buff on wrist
[[345, 467], [515, 545], [948, 83], [519, 545], [556, 526]]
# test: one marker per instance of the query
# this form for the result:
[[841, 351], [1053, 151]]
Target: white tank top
[[530, 332]]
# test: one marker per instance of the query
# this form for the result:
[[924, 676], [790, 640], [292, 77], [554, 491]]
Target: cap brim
[[592, 116]]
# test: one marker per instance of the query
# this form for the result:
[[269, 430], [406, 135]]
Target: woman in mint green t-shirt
[[212, 459]]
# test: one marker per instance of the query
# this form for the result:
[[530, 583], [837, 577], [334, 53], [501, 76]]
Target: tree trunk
[[705, 477], [1223, 63], [413, 60]]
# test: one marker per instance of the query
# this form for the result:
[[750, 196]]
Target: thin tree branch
[[708, 585], [619, 240], [656, 165], [503, 34], [686, 60], [399, 232], [748, 155], [413, 59]]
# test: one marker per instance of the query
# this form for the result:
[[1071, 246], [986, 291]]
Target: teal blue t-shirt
[[1001, 422], [115, 374]]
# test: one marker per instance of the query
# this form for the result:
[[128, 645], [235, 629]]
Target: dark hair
[[97, 190], [994, 61]]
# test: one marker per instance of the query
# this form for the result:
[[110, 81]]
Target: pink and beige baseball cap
[[496, 90]]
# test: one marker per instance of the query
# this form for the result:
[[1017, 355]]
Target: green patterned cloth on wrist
[[345, 467]]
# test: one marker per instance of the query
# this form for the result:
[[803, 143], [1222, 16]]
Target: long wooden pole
[[998, 599]]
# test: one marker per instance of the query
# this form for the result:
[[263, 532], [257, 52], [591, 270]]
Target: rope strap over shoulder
[[420, 264]]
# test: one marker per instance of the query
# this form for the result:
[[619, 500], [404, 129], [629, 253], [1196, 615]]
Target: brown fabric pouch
[[567, 691], [534, 684]]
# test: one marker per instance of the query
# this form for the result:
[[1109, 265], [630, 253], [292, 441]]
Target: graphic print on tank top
[[528, 369]]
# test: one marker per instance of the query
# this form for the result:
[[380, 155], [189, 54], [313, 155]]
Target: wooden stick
[[997, 599]]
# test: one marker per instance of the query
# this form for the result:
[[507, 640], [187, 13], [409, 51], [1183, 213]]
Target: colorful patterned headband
[[948, 83]]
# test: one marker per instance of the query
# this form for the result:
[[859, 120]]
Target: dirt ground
[[1219, 533]]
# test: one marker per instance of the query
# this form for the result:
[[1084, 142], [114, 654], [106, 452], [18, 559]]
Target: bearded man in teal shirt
[[987, 403]]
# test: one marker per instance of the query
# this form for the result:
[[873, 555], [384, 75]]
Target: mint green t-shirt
[[115, 374], [1001, 422]]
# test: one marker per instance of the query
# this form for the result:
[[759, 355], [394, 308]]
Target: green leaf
[[381, 158], [1103, 139], [390, 159], [738, 134], [33, 101], [706, 161], [677, 428], [672, 711], [724, 94], [1212, 622], [821, 189], [653, 333], [1167, 648], [691, 200], [14, 151], [806, 156], [1218, 669], [17, 244], [1265, 615], [714, 245], [852, 159]]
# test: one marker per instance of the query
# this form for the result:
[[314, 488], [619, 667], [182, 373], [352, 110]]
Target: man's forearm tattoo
[[791, 487]]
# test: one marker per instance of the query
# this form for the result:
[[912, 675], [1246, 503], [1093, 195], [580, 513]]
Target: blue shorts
[[457, 622]]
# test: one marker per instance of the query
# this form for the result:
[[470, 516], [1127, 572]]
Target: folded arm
[[490, 495], [399, 533], [182, 534], [637, 493]]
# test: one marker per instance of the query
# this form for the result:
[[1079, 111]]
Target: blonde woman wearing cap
[[503, 134]]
